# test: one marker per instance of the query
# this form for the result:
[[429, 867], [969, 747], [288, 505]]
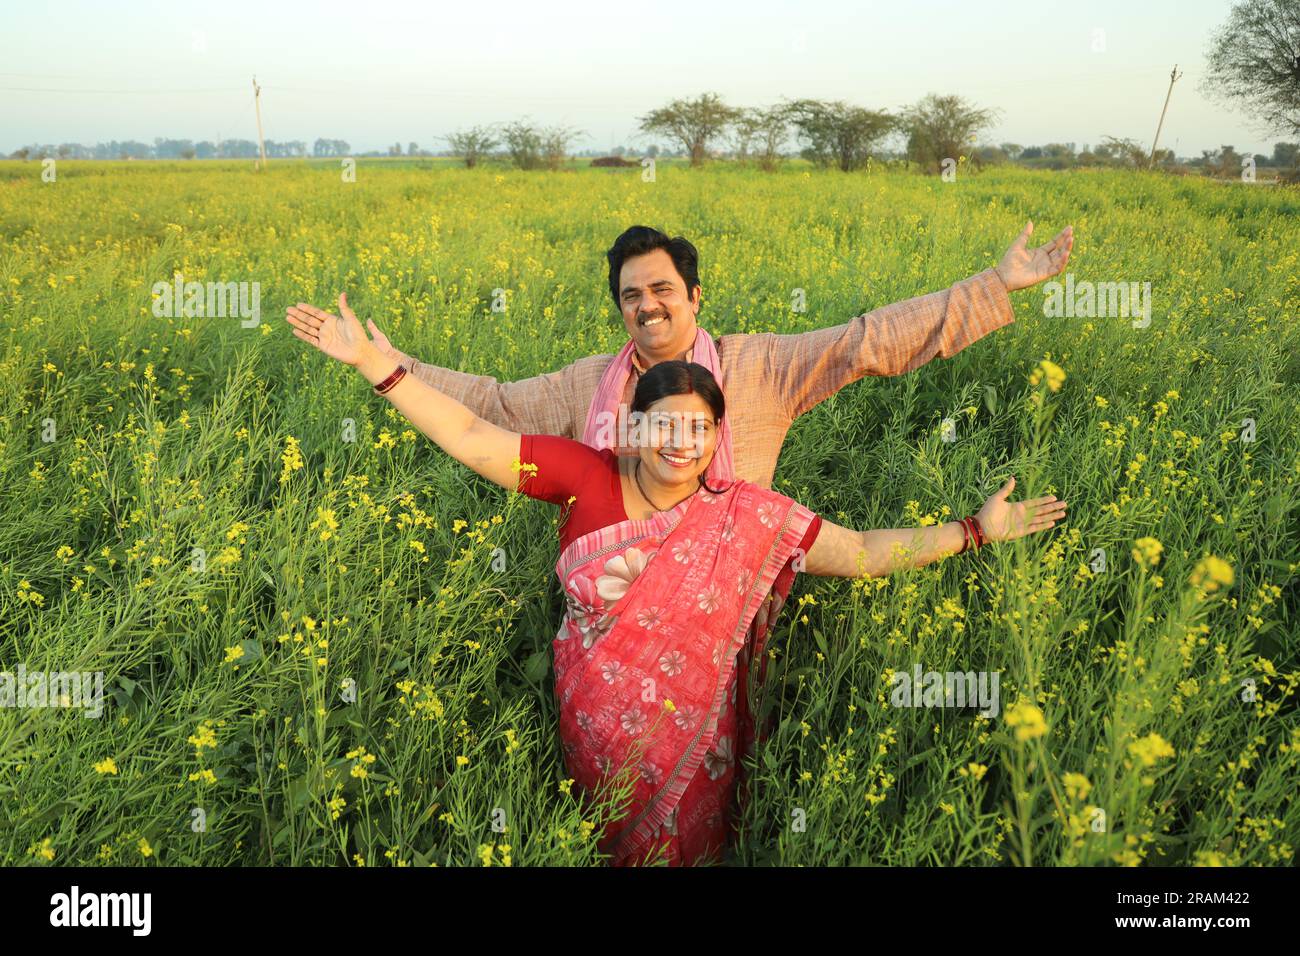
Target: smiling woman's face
[[682, 437], [658, 314]]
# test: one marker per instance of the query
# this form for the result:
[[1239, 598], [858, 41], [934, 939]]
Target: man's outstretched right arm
[[540, 405]]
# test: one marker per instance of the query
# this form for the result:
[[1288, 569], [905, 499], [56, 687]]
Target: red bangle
[[980, 540], [392, 380], [965, 537]]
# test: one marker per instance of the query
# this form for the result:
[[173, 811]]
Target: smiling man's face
[[658, 315]]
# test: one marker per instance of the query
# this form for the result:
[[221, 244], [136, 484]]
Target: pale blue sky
[[377, 72]]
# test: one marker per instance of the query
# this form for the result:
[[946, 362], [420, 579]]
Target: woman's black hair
[[681, 378], [639, 240]]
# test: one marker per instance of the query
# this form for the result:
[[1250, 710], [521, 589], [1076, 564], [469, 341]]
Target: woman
[[664, 573]]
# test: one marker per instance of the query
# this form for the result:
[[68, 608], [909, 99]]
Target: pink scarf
[[609, 398]]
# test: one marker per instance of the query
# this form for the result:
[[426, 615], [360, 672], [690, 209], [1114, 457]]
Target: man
[[769, 380]]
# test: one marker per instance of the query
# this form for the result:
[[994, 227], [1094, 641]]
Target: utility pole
[[256, 100], [1173, 77]]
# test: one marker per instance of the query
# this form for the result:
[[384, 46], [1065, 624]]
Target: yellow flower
[[566, 785], [203, 736], [1054, 374], [1147, 552], [976, 770], [233, 653], [292, 458], [1101, 402], [207, 776], [1077, 786], [461, 760], [1150, 749], [1211, 572], [669, 705], [144, 847], [326, 517], [107, 765], [42, 849], [1027, 719]]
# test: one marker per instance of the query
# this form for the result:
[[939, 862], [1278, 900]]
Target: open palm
[[1002, 520], [1022, 267], [338, 336]]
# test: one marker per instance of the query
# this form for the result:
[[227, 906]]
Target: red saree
[[672, 608]]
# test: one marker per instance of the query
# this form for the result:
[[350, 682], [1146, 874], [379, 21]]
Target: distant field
[[343, 606]]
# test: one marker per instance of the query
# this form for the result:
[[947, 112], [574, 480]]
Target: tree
[[990, 155], [524, 144], [1254, 62], [943, 127], [1286, 155], [554, 145], [1124, 152], [1013, 150], [693, 123], [759, 134], [744, 129], [835, 133], [772, 132], [322, 147], [473, 144], [1226, 162]]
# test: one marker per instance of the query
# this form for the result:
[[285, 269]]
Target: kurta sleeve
[[810, 366], [541, 404]]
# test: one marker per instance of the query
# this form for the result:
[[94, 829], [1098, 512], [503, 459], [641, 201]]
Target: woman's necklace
[[636, 473]]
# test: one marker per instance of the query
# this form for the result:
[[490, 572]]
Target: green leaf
[[536, 666], [991, 399]]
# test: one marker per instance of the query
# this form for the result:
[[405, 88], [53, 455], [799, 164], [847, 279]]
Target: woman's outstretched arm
[[843, 553], [487, 448]]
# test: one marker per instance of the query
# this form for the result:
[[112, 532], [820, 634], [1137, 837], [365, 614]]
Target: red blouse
[[569, 469]]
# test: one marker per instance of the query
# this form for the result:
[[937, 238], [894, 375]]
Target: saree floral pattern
[[652, 660]]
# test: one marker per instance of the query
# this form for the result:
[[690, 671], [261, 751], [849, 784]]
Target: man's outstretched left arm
[[807, 367]]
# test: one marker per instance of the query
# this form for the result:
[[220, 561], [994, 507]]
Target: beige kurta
[[769, 380]]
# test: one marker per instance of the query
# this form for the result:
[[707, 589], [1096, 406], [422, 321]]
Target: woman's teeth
[[676, 461]]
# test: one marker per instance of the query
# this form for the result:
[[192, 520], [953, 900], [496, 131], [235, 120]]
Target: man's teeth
[[654, 321]]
